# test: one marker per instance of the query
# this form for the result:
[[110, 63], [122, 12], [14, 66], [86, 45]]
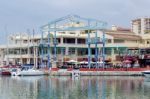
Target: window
[[69, 40], [71, 51], [72, 32], [81, 41], [109, 41], [62, 32], [108, 51], [58, 40], [82, 51], [25, 41], [118, 41]]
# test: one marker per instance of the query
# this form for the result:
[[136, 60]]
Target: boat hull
[[28, 73], [146, 74], [5, 73]]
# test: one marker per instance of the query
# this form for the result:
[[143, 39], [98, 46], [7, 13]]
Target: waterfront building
[[25, 48]]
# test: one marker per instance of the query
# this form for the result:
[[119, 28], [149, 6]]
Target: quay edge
[[98, 73]]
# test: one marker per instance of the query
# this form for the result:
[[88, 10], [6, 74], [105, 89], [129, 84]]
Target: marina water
[[47, 87]]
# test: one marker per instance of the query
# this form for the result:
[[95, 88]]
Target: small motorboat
[[6, 70], [27, 72], [146, 73]]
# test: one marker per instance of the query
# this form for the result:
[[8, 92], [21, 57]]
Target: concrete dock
[[97, 73]]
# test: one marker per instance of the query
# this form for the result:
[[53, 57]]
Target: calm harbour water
[[47, 87]]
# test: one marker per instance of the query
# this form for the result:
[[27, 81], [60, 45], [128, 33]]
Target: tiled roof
[[123, 35]]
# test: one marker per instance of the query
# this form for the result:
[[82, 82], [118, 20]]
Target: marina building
[[66, 45], [25, 49]]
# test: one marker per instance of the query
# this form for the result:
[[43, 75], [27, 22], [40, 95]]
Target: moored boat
[[27, 71], [6, 70], [146, 73]]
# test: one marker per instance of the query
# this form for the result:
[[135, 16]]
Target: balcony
[[19, 56], [122, 45]]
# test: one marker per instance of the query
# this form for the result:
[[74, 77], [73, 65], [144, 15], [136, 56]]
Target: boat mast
[[89, 46], [20, 48], [49, 57], [28, 50], [7, 49], [34, 51]]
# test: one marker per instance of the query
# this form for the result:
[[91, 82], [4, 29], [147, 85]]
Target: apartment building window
[[93, 51], [119, 50], [116, 50], [11, 51], [31, 51], [118, 41], [18, 41], [16, 51], [72, 32], [69, 40], [62, 32], [58, 40], [82, 51], [81, 41], [108, 40], [61, 51], [24, 51], [38, 41], [108, 51], [25, 41], [71, 51]]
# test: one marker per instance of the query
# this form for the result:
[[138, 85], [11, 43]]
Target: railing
[[94, 40], [19, 56], [81, 44], [23, 45], [122, 45]]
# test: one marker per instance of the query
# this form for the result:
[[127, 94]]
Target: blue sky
[[20, 15]]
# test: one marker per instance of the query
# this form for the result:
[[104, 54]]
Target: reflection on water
[[47, 87]]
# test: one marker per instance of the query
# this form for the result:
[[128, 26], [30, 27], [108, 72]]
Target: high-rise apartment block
[[141, 26]]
